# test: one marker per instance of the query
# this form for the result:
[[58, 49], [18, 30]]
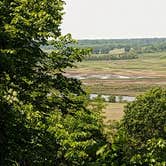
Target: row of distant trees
[[139, 45], [105, 46], [145, 49], [99, 57]]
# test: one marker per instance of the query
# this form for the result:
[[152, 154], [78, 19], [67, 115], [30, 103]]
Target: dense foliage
[[44, 116], [144, 128], [145, 117]]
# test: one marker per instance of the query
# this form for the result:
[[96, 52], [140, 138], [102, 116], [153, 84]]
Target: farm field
[[113, 111], [122, 77]]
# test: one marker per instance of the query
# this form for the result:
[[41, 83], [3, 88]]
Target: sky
[[107, 19]]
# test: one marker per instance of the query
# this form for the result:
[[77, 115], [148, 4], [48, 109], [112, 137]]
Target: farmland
[[121, 77], [113, 111], [129, 77]]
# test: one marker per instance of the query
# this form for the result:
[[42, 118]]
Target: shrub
[[145, 117], [112, 99], [144, 127]]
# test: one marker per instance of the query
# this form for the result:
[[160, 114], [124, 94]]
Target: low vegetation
[[133, 77]]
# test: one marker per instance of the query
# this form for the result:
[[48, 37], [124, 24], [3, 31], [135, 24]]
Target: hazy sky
[[115, 18]]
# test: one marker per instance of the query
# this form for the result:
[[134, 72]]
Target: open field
[[123, 77], [113, 111]]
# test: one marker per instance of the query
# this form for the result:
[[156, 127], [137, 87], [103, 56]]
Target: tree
[[145, 128], [145, 117], [44, 116]]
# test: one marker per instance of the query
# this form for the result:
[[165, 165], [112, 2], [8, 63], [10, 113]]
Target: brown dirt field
[[113, 111]]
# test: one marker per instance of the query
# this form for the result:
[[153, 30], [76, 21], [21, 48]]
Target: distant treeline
[[144, 45], [99, 57], [104, 46]]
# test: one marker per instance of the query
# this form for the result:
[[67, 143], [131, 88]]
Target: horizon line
[[127, 38]]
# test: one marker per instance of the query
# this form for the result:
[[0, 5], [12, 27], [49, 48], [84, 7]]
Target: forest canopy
[[45, 118]]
